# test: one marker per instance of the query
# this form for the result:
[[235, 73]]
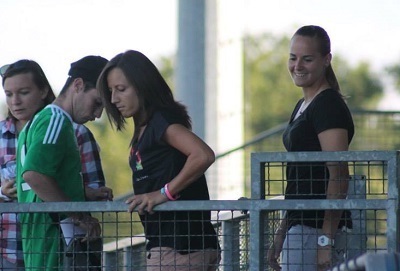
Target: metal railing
[[245, 227]]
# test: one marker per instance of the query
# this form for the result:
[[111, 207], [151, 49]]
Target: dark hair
[[152, 90], [324, 41], [88, 85], [39, 78], [88, 69]]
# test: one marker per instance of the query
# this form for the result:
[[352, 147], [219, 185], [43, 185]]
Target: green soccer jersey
[[47, 146]]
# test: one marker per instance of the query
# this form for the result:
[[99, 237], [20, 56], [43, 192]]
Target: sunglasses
[[21, 65], [3, 69]]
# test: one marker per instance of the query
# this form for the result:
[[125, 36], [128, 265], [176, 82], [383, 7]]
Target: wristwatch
[[324, 240]]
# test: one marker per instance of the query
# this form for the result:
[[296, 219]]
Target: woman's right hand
[[275, 250], [145, 202], [8, 188]]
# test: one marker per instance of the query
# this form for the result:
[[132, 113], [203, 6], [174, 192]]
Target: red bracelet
[[169, 196]]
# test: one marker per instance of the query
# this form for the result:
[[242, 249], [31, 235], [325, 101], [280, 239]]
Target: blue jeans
[[299, 252]]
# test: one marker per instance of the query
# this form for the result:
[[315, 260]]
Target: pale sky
[[57, 32]]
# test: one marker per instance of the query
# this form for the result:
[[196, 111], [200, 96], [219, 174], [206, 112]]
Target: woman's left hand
[[324, 258], [145, 202]]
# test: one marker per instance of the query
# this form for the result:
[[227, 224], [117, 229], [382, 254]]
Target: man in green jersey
[[49, 165]]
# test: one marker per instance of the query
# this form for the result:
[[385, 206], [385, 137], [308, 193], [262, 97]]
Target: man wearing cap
[[49, 164]]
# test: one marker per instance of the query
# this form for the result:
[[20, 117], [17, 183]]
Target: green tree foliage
[[268, 88], [359, 84], [166, 68], [394, 71]]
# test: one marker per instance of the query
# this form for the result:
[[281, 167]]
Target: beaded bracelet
[[168, 194]]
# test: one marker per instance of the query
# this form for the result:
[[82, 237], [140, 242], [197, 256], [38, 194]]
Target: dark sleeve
[[330, 112], [161, 120]]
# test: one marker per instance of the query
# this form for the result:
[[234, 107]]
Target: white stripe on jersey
[[53, 130]]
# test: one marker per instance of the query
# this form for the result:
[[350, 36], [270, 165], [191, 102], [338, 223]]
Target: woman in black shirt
[[321, 121], [168, 162]]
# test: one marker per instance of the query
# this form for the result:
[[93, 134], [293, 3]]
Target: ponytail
[[331, 78]]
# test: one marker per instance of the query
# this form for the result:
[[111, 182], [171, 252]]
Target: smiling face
[[23, 97], [306, 64], [123, 94]]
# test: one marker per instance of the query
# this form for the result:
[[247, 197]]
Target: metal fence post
[[230, 245]]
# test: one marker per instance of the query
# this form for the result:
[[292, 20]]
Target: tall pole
[[190, 77], [210, 82]]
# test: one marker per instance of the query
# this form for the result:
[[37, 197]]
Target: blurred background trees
[[270, 94], [269, 97], [394, 71]]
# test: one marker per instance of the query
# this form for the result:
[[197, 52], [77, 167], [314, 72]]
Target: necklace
[[304, 106]]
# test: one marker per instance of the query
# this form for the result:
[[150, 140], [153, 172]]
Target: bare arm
[[335, 140], [44, 186], [199, 157], [47, 189], [276, 246]]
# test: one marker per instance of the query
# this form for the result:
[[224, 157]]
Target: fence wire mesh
[[244, 228]]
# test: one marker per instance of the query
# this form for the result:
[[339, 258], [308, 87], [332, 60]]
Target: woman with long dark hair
[[168, 162]]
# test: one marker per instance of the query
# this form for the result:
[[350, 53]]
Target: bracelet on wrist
[[162, 191], [168, 194]]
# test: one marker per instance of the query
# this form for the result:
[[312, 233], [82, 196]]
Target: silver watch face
[[324, 241]]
